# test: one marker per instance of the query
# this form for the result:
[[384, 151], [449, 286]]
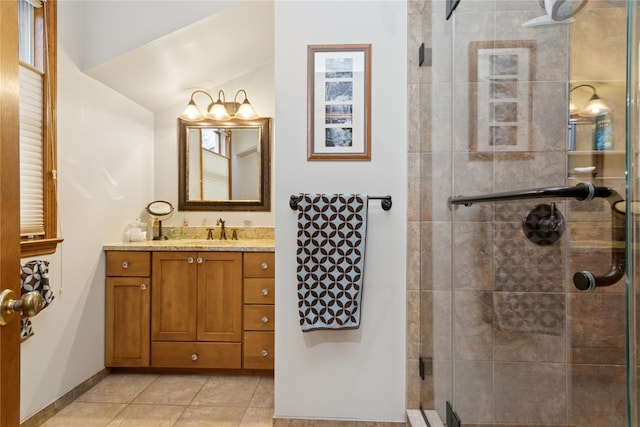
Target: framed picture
[[501, 74], [339, 102]]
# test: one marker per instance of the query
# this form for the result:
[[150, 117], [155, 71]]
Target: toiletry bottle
[[603, 133]]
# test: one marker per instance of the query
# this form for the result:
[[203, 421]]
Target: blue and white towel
[[34, 276], [332, 231]]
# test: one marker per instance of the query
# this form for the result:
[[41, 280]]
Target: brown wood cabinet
[[258, 313], [128, 300], [187, 309], [197, 297]]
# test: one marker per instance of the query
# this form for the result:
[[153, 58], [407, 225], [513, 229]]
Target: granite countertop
[[243, 245], [250, 239]]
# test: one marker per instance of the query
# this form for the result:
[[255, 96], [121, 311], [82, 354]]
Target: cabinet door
[[175, 279], [220, 296], [127, 321]]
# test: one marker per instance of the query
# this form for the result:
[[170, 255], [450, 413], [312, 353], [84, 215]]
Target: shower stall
[[527, 159]]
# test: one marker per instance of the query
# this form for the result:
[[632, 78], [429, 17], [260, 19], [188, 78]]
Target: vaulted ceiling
[[158, 65]]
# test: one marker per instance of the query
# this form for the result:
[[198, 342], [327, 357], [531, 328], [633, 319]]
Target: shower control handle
[[553, 222]]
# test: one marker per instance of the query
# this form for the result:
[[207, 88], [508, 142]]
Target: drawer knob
[[190, 260], [265, 292], [125, 264], [194, 357], [264, 352], [199, 260], [143, 286], [264, 266], [265, 319]]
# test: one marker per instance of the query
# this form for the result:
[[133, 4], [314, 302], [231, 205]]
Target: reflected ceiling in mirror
[[224, 165]]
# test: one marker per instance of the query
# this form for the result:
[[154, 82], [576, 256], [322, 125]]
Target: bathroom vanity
[[190, 304]]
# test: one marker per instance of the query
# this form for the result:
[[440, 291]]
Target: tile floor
[[172, 400]]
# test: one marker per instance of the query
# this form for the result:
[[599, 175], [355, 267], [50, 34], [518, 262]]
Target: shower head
[[558, 12]]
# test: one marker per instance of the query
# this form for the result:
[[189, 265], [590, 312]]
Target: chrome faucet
[[223, 233]]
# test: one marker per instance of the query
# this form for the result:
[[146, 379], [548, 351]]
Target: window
[[38, 185]]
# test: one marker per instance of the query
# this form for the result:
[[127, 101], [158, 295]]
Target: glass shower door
[[633, 196], [513, 340]]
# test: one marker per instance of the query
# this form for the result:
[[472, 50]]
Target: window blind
[[215, 176], [26, 30], [31, 160]]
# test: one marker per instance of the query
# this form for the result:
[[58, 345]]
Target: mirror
[[159, 210], [224, 165]]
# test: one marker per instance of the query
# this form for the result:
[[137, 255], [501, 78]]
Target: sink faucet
[[223, 233], [210, 234]]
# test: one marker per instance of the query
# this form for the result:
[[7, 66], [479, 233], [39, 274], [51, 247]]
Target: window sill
[[29, 248]]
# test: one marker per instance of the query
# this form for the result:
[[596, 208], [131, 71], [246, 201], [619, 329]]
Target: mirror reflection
[[224, 165]]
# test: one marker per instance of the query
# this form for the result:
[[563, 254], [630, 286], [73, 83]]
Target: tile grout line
[[255, 390]]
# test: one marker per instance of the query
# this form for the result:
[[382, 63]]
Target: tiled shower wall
[[511, 340]]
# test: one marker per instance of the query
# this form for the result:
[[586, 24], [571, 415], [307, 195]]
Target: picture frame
[[501, 76], [339, 102]]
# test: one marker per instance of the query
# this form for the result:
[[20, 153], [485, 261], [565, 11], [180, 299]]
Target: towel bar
[[385, 201]]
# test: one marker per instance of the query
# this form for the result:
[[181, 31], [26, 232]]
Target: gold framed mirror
[[224, 165]]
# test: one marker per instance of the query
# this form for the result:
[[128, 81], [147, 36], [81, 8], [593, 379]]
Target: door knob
[[29, 304]]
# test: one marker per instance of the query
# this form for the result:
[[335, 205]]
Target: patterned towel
[[331, 238], [34, 276]]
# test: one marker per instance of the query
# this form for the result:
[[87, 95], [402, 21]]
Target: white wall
[[350, 375], [105, 173], [259, 86]]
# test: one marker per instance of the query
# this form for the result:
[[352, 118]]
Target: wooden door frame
[[9, 211]]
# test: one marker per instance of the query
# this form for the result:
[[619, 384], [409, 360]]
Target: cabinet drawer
[[258, 350], [123, 263], [258, 317], [259, 264], [196, 355], [259, 291]]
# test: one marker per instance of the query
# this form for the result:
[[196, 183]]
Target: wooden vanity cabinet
[[187, 309], [196, 316], [258, 312], [128, 301]]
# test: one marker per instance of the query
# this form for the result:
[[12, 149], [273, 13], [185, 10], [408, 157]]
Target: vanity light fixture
[[245, 110], [192, 112], [594, 107], [220, 109]]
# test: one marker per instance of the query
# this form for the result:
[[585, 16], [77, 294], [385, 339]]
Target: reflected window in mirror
[[224, 165]]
